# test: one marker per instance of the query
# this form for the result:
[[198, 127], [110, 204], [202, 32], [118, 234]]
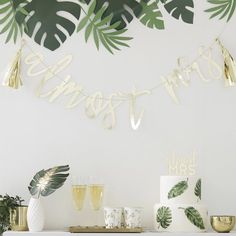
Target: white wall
[[35, 134]]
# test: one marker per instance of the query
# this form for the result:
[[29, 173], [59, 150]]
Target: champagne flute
[[79, 188], [96, 191]]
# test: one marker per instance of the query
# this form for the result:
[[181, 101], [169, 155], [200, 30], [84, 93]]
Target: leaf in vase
[[46, 182], [178, 189], [164, 217], [197, 189]]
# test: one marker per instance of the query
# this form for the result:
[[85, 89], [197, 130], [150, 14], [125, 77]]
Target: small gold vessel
[[223, 224], [18, 218]]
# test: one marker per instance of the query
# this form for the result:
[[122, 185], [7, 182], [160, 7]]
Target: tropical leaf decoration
[[151, 15], [102, 30], [197, 190], [222, 8], [164, 217], [8, 22], [46, 182], [45, 18], [194, 217], [178, 189], [48, 24], [180, 9], [121, 10]]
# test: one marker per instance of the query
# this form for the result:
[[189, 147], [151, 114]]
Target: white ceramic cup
[[112, 217], [133, 217]]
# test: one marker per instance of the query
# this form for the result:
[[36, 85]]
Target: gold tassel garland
[[229, 66], [13, 76]]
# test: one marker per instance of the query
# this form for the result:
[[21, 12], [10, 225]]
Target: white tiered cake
[[180, 209]]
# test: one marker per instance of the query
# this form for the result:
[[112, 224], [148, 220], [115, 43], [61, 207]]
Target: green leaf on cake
[[222, 9], [151, 15], [194, 217], [197, 189], [178, 189], [164, 217]]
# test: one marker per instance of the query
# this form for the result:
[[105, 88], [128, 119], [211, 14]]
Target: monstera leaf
[[180, 8], [46, 182], [118, 10], [194, 217], [222, 8], [45, 18], [197, 190], [8, 22], [151, 15], [164, 217], [178, 189]]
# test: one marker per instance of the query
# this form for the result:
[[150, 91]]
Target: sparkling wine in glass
[[78, 193], [79, 188], [96, 192], [96, 196]]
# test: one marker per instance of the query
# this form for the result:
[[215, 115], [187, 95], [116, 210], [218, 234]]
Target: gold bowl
[[223, 224]]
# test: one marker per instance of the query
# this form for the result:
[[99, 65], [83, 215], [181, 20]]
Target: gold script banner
[[96, 104]]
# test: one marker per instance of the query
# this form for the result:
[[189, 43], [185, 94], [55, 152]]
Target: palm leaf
[[197, 190], [178, 189], [194, 217], [46, 182], [8, 21], [151, 15], [102, 30], [164, 217], [8, 12], [221, 8]]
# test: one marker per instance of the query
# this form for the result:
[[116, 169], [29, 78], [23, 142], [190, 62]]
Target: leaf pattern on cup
[[132, 217], [112, 217]]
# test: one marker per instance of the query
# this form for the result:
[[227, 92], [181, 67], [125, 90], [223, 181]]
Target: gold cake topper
[[182, 165]]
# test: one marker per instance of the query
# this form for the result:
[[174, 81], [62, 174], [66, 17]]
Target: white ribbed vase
[[35, 215]]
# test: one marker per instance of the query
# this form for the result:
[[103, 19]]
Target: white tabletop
[[61, 233]]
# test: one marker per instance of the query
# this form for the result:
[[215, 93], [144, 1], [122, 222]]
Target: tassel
[[13, 75], [229, 66]]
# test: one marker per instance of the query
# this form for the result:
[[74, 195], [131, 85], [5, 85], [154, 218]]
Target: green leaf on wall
[[45, 18], [8, 21], [197, 189], [102, 30], [178, 189], [121, 10], [180, 9], [194, 217], [221, 8], [164, 217], [151, 15]]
